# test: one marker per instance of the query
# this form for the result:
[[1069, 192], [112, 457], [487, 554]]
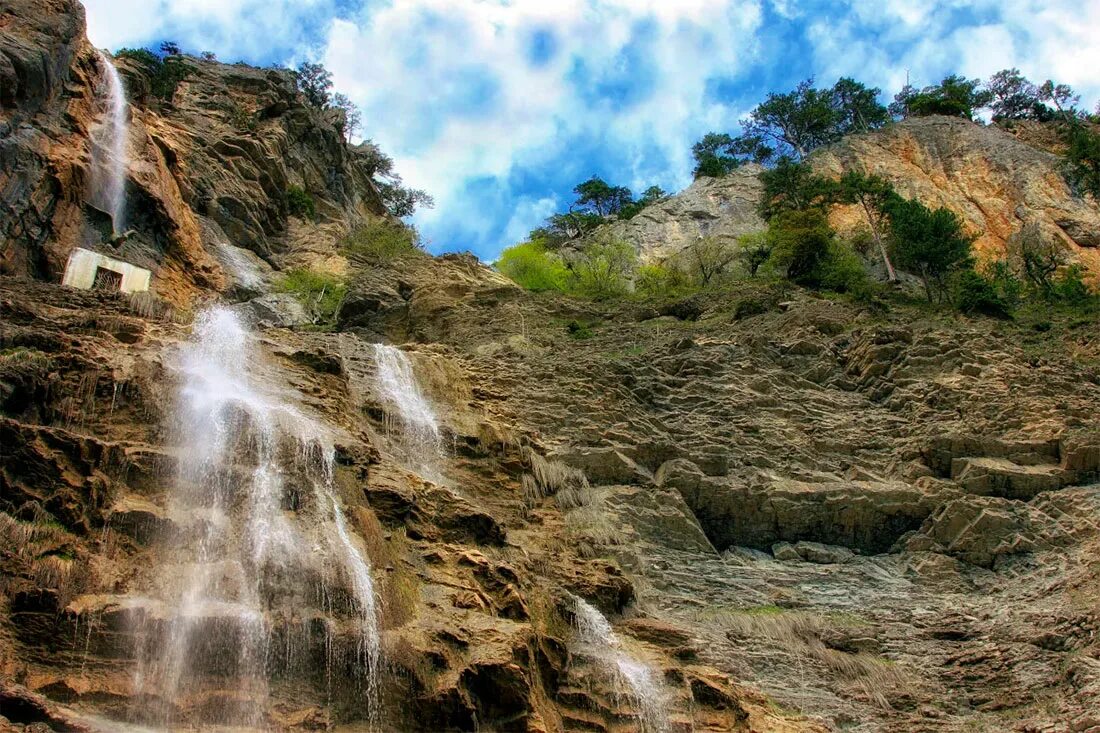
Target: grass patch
[[320, 293], [383, 241]]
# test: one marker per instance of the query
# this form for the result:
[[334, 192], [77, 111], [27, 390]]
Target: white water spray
[[110, 139], [633, 680], [410, 418], [265, 579]]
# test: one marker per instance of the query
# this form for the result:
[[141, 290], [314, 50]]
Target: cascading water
[[263, 581], [110, 140], [410, 420], [633, 680]]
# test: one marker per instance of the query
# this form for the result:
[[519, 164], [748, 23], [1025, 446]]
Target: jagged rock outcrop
[[724, 208]]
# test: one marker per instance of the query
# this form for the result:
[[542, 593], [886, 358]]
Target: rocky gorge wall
[[796, 514]]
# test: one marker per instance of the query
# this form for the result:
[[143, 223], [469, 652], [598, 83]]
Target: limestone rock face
[[724, 208], [994, 181]]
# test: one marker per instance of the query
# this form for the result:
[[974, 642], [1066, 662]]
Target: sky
[[499, 107]]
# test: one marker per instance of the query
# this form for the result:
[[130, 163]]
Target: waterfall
[[109, 147], [410, 419], [263, 581], [633, 680]]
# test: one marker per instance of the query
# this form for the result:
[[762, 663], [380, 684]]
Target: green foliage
[[1082, 164], [314, 82], [1012, 96], [165, 74], [320, 293], [973, 293], [399, 200], [842, 271], [708, 261], [532, 267], [300, 203], [792, 186], [651, 195], [715, 155], [597, 196], [170, 48], [241, 119], [579, 330], [383, 241], [1038, 257], [603, 269], [930, 243], [800, 242], [1070, 287], [753, 250], [661, 281], [352, 119], [873, 194], [955, 96], [1006, 284]]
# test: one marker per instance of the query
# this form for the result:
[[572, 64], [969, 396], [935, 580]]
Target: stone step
[[1007, 479]]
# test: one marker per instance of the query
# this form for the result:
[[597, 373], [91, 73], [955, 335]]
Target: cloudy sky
[[499, 107]]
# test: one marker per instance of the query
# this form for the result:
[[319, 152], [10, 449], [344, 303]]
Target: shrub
[[319, 292], [1038, 256], [531, 267], [165, 74], [603, 269], [929, 242], [1006, 284], [976, 294], [383, 241], [842, 271], [708, 260], [661, 281], [1070, 287], [800, 242], [578, 330], [753, 250], [300, 203]]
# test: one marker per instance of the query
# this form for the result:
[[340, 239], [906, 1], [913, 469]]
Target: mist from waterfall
[[110, 141], [411, 422], [264, 579], [634, 682]]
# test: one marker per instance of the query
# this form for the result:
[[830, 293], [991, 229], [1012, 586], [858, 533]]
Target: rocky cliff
[[209, 172], [797, 514], [996, 181]]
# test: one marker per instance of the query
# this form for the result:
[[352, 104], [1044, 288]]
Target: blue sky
[[499, 107]]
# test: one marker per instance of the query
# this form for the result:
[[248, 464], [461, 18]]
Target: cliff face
[[208, 171], [797, 514], [990, 177]]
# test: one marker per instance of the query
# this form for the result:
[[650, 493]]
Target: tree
[[930, 243], [649, 196], [1012, 96], [955, 96], [714, 155], [169, 48], [352, 117], [709, 259], [401, 201], [792, 124], [1062, 97], [602, 269], [754, 249], [314, 81], [1038, 257], [599, 197], [1082, 165], [856, 107], [791, 186], [208, 56], [800, 241], [873, 194]]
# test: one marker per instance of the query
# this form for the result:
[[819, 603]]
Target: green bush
[[929, 242], [1005, 282], [165, 74], [842, 271], [1070, 287], [800, 241], [531, 267], [661, 281], [603, 269], [578, 330], [976, 294], [300, 203], [383, 241], [753, 250], [319, 292]]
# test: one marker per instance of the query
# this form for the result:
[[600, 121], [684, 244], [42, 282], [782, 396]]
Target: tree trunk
[[891, 276]]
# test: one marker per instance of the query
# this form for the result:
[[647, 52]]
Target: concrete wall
[[81, 268]]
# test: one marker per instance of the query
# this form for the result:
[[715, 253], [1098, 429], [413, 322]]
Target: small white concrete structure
[[86, 270]]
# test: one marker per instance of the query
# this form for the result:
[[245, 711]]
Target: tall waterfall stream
[[110, 141]]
